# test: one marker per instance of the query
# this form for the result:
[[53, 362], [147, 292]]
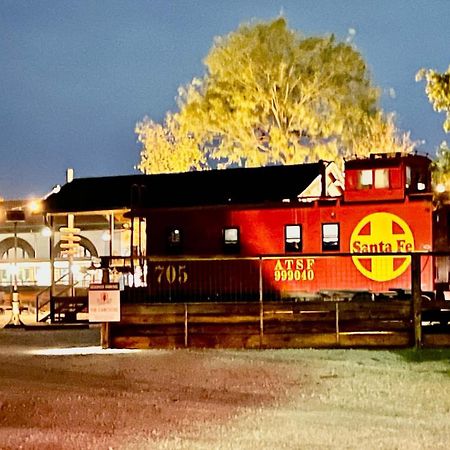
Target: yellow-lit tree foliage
[[269, 96], [167, 148], [383, 136], [441, 167], [438, 91]]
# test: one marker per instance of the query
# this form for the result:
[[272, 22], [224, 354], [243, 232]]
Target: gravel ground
[[59, 390]]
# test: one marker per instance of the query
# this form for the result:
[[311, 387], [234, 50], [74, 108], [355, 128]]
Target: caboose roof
[[201, 188], [384, 160]]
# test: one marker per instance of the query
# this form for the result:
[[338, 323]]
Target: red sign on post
[[104, 302]]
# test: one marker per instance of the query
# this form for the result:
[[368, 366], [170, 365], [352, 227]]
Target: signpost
[[69, 240], [104, 307], [104, 302]]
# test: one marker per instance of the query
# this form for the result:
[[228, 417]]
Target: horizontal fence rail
[[278, 301], [267, 325]]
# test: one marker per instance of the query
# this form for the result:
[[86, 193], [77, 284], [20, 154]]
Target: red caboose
[[274, 231], [309, 234]]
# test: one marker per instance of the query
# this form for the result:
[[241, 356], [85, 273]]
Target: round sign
[[381, 233]]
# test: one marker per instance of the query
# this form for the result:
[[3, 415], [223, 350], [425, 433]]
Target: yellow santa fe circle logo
[[381, 233]]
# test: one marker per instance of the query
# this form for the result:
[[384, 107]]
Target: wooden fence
[[408, 320], [287, 324]]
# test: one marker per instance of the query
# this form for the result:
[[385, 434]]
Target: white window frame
[[231, 239], [293, 241], [366, 178], [330, 236]]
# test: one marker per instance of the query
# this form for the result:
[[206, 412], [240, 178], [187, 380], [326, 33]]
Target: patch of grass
[[424, 355]]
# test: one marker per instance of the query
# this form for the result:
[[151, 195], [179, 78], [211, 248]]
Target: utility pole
[[15, 216]]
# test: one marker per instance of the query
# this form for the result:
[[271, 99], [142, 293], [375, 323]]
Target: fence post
[[261, 305], [52, 308], [105, 335], [105, 330], [337, 323], [416, 299], [185, 325]]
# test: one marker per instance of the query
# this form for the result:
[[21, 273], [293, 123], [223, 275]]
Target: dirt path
[[54, 396], [118, 400]]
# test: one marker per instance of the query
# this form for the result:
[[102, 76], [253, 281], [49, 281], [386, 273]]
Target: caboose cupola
[[387, 177]]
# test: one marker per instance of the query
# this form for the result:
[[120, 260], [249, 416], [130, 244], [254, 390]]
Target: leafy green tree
[[269, 96], [438, 91], [441, 168]]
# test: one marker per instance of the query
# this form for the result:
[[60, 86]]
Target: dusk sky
[[76, 75]]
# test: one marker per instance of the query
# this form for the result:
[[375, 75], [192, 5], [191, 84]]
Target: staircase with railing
[[61, 303]]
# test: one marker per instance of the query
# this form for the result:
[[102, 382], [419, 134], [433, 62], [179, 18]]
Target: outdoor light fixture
[[15, 215], [34, 206], [106, 236], [46, 232]]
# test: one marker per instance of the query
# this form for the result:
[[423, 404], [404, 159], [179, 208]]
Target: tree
[[438, 91], [383, 136], [440, 168], [269, 96], [167, 148]]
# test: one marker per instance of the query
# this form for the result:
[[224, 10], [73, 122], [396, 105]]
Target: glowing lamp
[[46, 232], [106, 236]]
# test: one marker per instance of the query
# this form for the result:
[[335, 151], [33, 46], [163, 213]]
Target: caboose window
[[408, 176], [366, 178], [293, 238], [330, 236], [381, 178], [174, 240], [231, 240]]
